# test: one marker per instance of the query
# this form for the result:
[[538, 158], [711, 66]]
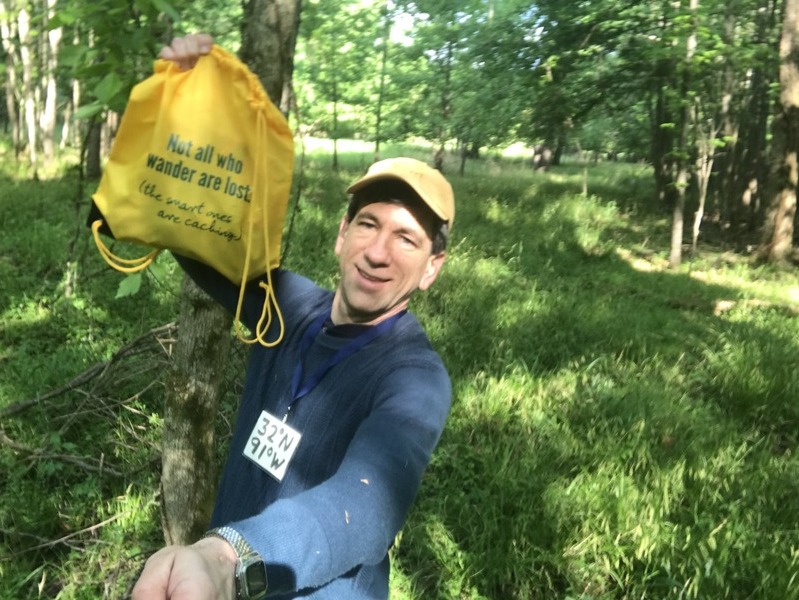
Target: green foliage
[[618, 430], [112, 47]]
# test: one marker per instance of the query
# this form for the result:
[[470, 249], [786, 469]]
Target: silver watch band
[[250, 577], [234, 538]]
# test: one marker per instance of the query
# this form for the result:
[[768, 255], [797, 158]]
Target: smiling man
[[338, 422], [391, 242]]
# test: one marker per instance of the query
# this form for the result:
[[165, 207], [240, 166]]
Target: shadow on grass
[[661, 390], [573, 373]]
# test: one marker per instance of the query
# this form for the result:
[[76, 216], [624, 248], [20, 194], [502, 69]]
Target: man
[[338, 422]]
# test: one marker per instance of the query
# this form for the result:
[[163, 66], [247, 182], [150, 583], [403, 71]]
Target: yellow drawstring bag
[[201, 165]]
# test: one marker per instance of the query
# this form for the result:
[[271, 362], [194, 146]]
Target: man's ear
[[434, 264], [342, 229]]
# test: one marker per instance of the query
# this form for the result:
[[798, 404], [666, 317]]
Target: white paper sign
[[272, 444]]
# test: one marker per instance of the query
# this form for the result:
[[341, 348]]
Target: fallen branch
[[67, 539], [163, 337], [39, 454]]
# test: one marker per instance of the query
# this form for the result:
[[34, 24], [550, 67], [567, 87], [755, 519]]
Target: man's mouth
[[369, 277]]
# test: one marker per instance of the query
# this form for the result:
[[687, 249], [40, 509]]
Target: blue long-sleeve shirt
[[368, 429]]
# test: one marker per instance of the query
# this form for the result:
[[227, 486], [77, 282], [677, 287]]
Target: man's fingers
[[153, 582], [185, 51]]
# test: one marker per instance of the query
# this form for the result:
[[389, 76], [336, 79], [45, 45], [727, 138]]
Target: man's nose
[[378, 251]]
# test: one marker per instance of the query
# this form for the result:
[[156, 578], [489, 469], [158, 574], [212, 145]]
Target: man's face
[[384, 256]]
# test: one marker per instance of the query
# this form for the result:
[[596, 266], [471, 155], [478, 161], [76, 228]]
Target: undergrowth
[[618, 430]]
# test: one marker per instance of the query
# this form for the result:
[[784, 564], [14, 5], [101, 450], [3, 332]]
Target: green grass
[[618, 430]]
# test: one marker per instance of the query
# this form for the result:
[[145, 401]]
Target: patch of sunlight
[[643, 263], [326, 145], [560, 177], [780, 292], [133, 511], [25, 313], [494, 211], [516, 150]]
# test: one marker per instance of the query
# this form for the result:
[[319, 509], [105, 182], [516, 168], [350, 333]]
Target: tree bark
[[268, 38], [189, 473], [91, 149], [744, 188], [48, 117], [686, 125], [661, 151], [188, 479], [778, 231], [28, 96], [382, 87], [705, 158], [8, 35]]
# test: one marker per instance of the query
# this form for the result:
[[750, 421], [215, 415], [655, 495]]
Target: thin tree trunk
[[678, 217], [201, 354], [382, 86], [726, 188], [8, 35], [92, 149], [28, 96], [189, 473], [705, 157], [335, 116], [446, 106], [48, 118], [778, 231], [661, 151]]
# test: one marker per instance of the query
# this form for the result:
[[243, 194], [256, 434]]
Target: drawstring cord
[[264, 322], [257, 211], [123, 265]]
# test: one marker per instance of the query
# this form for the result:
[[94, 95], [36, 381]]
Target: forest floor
[[619, 429]]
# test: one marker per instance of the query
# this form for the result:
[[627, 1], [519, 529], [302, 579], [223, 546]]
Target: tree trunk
[[686, 125], [726, 158], [382, 86], [750, 159], [778, 231], [335, 117], [188, 480], [92, 149], [28, 96], [268, 37], [705, 157], [661, 151], [48, 118], [446, 106], [189, 474], [8, 35]]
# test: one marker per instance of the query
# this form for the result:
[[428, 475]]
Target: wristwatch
[[251, 583]]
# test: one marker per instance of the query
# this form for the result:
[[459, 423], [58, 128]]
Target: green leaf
[[60, 19], [74, 56], [166, 8], [108, 88], [89, 110], [129, 286]]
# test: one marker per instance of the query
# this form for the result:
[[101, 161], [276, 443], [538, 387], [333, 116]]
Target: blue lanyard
[[300, 388]]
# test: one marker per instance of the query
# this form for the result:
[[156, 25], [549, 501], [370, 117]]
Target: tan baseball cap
[[426, 181]]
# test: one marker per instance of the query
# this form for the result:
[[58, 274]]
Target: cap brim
[[368, 179]]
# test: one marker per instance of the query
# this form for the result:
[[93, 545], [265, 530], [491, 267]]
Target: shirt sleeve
[[351, 519], [226, 293]]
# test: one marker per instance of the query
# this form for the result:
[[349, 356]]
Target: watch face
[[255, 579]]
